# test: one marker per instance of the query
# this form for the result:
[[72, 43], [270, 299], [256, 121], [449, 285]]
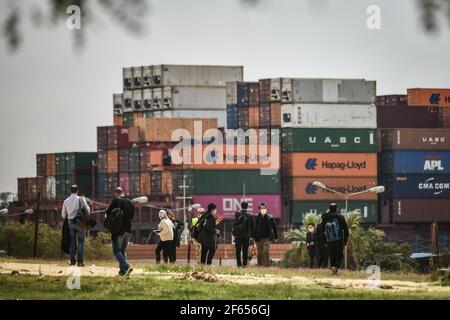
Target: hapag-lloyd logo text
[[247, 147], [348, 165]]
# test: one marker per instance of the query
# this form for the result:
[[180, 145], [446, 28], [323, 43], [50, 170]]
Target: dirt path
[[325, 281]]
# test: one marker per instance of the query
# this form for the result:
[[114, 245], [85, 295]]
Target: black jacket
[[265, 228], [128, 212], [176, 237], [311, 237], [249, 224], [342, 224], [208, 230]]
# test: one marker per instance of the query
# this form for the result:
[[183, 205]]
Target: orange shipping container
[[275, 114], [156, 157], [51, 164], [112, 161], [329, 164], [133, 134], [303, 188], [166, 182], [137, 115], [419, 97], [118, 120], [145, 185], [253, 117]]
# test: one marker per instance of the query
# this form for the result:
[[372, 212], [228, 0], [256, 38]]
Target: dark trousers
[[207, 255], [322, 257], [166, 248], [336, 249], [312, 256], [242, 245], [173, 252]]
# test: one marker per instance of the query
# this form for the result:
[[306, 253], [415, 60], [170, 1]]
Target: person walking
[[176, 236], [208, 234], [165, 232], [336, 233], [123, 236], [265, 231], [69, 211], [311, 244], [242, 230]]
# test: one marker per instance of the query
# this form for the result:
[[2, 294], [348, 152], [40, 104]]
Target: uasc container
[[415, 139]]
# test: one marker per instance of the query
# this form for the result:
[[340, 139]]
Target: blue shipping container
[[232, 117], [421, 186], [430, 162]]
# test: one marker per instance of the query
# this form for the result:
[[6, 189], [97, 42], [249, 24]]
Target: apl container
[[328, 140], [235, 182], [229, 204], [329, 116], [418, 162], [420, 210], [367, 209], [421, 186]]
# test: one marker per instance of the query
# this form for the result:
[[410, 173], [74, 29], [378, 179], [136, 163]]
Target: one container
[[275, 114], [127, 101], [367, 209], [424, 97], [229, 204], [304, 188], [167, 98], [124, 182], [329, 164], [420, 210], [264, 90], [243, 91], [414, 139], [392, 100], [134, 184], [112, 163], [232, 117], [124, 161], [196, 75], [235, 181], [219, 115], [421, 186], [199, 98], [407, 117], [328, 140], [145, 159], [243, 118], [128, 119], [421, 162], [231, 92], [118, 104], [275, 90], [147, 77], [253, 93], [118, 120], [253, 116], [102, 185], [286, 90], [134, 160], [444, 118], [137, 77], [127, 78], [22, 189], [346, 91], [156, 157], [156, 181], [145, 186], [137, 99], [329, 116], [102, 161], [157, 98], [166, 182], [182, 178], [264, 115]]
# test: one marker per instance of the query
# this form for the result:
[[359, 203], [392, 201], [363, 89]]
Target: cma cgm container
[[329, 164], [228, 204], [235, 182], [414, 139], [329, 116], [421, 186], [367, 209], [417, 162], [328, 140], [429, 97], [304, 189], [420, 210], [196, 75], [407, 117], [333, 91]]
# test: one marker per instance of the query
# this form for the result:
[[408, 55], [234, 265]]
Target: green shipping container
[[368, 209], [60, 164], [82, 178], [67, 163], [128, 119], [235, 182], [328, 140]]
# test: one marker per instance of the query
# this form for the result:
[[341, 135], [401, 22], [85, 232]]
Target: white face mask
[[311, 229], [263, 211]]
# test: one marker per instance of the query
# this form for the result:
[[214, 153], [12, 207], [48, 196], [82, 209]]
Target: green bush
[[296, 257]]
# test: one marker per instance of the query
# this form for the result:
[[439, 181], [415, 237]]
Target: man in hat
[[77, 234]]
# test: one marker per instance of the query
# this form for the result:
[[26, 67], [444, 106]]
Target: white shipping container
[[328, 116], [50, 185], [127, 78], [196, 75], [275, 89], [167, 98], [220, 115], [127, 100], [157, 98], [147, 76], [232, 93], [199, 98], [137, 77], [118, 104], [137, 100], [286, 90], [147, 99], [333, 91]]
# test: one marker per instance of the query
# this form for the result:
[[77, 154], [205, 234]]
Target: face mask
[[263, 211], [311, 229]]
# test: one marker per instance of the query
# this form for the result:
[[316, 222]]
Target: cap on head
[[162, 214], [118, 190], [74, 188], [244, 205], [201, 210], [333, 207], [211, 206]]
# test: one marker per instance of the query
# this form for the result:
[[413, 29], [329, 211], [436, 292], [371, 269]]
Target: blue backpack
[[332, 231]]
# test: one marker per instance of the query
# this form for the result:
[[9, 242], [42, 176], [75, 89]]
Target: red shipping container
[[156, 157], [118, 120], [145, 184], [253, 95], [112, 161], [253, 117], [275, 114], [264, 115], [407, 117], [264, 90]]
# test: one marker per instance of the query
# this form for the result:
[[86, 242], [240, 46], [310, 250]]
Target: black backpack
[[114, 220], [240, 225], [197, 229]]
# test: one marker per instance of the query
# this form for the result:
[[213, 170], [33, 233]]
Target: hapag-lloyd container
[[420, 210], [196, 75], [421, 186], [199, 98], [328, 140], [407, 117], [235, 182], [333, 91], [414, 139], [329, 116], [329, 164], [418, 162], [422, 97], [304, 189], [367, 209], [228, 204]]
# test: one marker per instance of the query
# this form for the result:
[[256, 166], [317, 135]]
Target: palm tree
[[355, 242], [296, 236]]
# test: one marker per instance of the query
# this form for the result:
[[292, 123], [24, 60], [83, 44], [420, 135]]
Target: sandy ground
[[325, 281]]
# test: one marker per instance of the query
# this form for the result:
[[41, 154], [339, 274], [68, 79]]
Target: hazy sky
[[53, 97]]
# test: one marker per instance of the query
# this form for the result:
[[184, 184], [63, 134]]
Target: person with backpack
[[311, 244], [265, 231], [70, 211], [208, 233], [176, 236], [242, 230], [118, 220], [195, 232], [165, 232], [335, 230]]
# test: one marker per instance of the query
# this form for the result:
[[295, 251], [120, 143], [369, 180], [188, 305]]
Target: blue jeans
[[119, 247], [77, 236]]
